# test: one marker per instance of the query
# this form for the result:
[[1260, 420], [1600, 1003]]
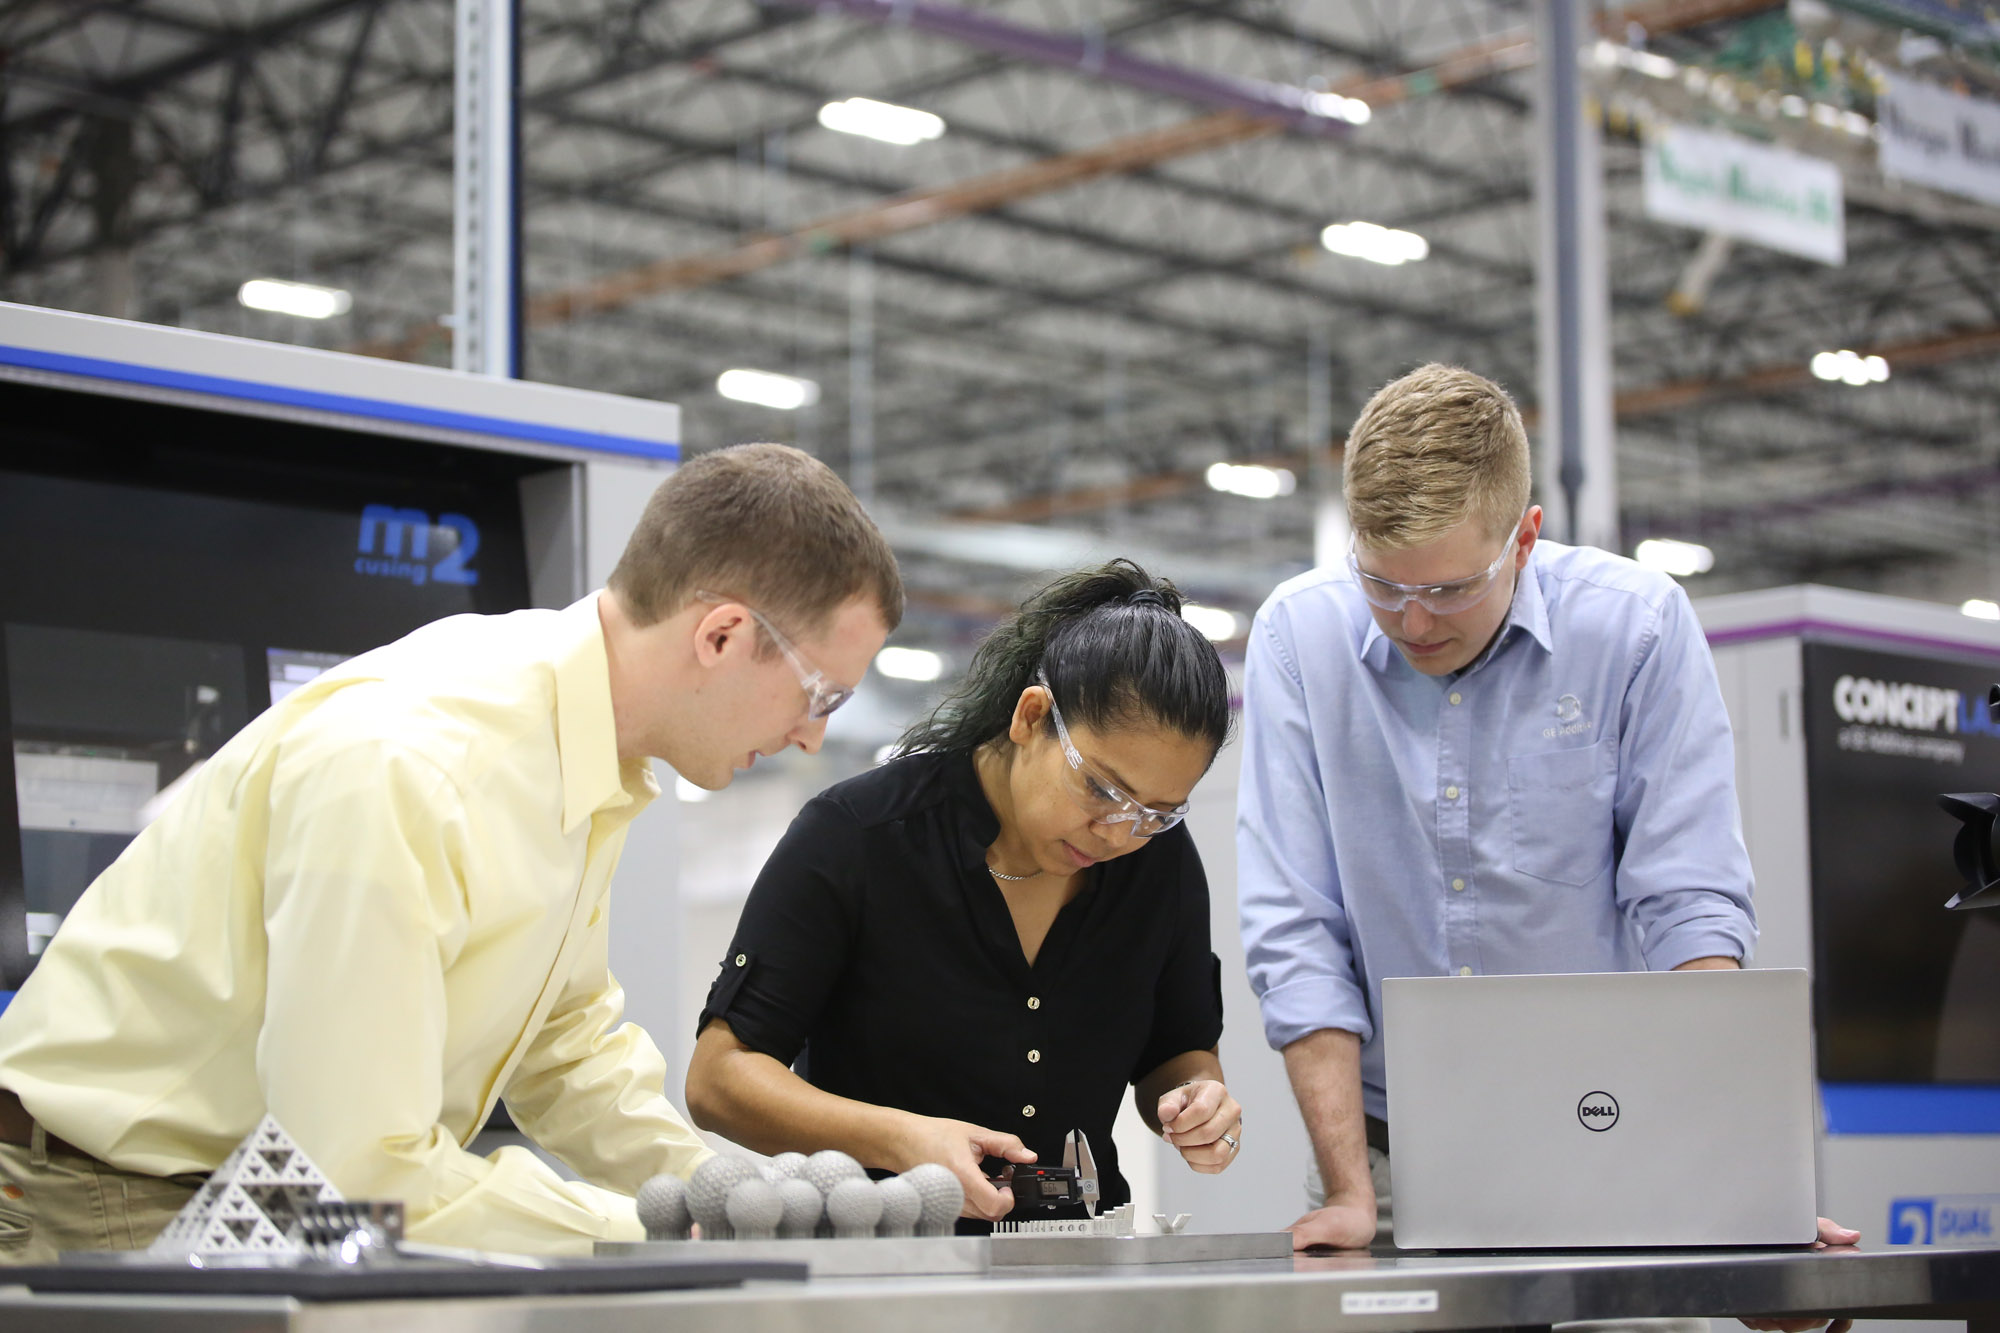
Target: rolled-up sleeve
[[1187, 997], [1684, 880], [1296, 938], [351, 1049], [794, 937]]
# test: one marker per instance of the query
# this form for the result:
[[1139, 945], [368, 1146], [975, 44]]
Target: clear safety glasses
[[822, 695], [1105, 803], [1440, 599]]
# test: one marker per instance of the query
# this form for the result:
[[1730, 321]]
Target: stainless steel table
[[1349, 1293]]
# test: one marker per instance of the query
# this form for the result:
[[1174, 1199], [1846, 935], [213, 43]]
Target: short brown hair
[[763, 522], [1430, 450]]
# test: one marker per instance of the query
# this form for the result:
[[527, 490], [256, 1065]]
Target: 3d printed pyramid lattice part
[[252, 1204]]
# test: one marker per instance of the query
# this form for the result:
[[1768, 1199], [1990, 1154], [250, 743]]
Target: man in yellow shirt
[[382, 905]]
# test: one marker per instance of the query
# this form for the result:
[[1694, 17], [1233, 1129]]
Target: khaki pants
[[52, 1200]]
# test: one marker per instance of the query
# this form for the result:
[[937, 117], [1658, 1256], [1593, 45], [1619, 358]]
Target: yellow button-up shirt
[[377, 909]]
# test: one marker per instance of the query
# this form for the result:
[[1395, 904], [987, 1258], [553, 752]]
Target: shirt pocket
[[1559, 803]]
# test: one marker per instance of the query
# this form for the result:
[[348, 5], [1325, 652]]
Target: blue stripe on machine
[[347, 404], [1910, 1108]]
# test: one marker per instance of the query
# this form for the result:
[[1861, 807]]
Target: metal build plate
[[1021, 1250], [880, 1256]]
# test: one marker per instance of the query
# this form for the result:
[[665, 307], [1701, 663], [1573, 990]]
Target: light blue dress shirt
[[1565, 804]]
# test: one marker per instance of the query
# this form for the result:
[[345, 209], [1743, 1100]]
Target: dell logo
[[1598, 1111], [396, 544]]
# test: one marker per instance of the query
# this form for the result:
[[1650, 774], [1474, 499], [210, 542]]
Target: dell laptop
[[1610, 1109]]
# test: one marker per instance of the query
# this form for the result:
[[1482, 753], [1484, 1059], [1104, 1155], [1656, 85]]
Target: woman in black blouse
[[973, 949]]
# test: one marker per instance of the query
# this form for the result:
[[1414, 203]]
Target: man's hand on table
[[1203, 1124], [1830, 1234], [1339, 1226]]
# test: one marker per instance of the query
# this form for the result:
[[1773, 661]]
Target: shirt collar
[[1529, 613], [586, 733], [1376, 650]]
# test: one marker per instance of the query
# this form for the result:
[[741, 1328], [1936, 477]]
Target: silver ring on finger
[[1230, 1139]]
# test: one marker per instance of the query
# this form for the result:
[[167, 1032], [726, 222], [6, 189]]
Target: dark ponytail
[[1115, 650]]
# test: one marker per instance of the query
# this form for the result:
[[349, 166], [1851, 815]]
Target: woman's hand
[[1203, 1123], [961, 1147]]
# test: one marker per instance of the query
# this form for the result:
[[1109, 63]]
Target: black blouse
[[877, 957]]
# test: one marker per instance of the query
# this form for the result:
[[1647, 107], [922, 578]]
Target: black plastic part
[[1973, 849], [1042, 1186]]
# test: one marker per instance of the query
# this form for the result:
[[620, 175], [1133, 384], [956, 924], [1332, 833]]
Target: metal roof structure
[[1033, 334]]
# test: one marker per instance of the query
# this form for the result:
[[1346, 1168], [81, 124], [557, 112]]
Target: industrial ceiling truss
[[1103, 277]]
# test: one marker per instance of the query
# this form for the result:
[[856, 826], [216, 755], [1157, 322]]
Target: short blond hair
[[1431, 450]]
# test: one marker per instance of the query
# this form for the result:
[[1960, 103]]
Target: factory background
[[1049, 281]]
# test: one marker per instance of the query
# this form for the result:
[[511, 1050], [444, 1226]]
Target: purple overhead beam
[[1254, 97]]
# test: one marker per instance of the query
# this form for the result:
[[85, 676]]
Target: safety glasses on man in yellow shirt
[[822, 695]]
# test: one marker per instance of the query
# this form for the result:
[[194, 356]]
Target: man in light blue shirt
[[1467, 751]]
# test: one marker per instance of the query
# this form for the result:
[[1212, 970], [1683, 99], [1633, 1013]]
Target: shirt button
[[1034, 1001], [1465, 971], [1458, 886], [1456, 698], [1451, 793], [1028, 1111], [741, 959], [1034, 1057]]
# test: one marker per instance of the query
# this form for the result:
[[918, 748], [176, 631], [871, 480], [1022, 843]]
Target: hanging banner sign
[[1748, 191], [1937, 138]]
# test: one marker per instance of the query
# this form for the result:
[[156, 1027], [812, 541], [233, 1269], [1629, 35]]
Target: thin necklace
[[1012, 879]]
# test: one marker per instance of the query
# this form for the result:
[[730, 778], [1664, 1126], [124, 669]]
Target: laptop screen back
[[1614, 1109]]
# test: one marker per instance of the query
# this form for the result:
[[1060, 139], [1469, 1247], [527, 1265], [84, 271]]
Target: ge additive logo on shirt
[[1598, 1111], [1570, 720]]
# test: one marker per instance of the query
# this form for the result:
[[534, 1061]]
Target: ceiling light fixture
[[1680, 559], [302, 299], [1651, 65], [1376, 244], [909, 663], [1335, 107], [1252, 480], [885, 121], [1656, 66], [1980, 609], [1850, 367], [766, 388], [1217, 624]]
